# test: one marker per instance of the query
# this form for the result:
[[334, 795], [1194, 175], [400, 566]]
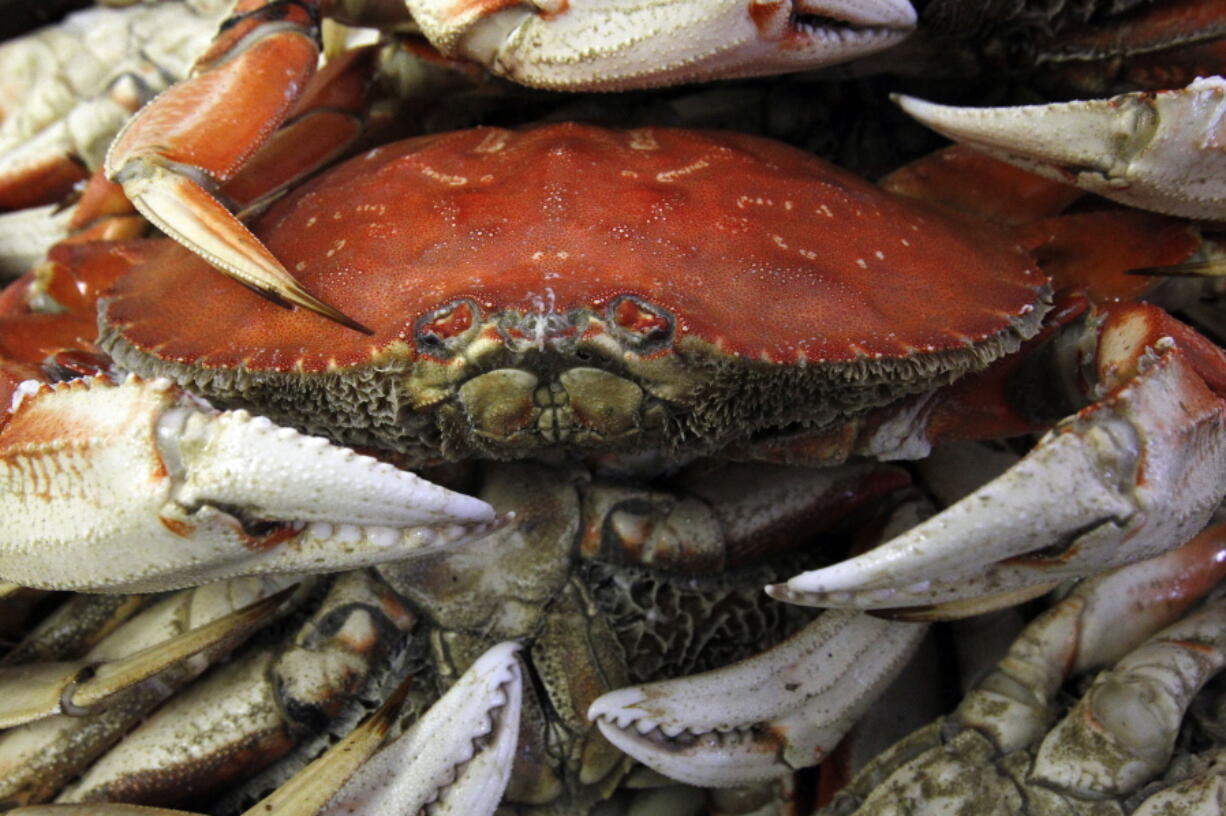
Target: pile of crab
[[444, 473]]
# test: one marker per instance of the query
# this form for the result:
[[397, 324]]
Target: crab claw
[[92, 468], [766, 716], [599, 45], [1133, 475], [1158, 151], [456, 759]]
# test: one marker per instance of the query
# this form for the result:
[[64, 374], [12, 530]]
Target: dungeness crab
[[594, 317]]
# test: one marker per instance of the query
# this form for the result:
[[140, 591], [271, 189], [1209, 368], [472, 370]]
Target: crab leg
[[1121, 733], [171, 157], [74, 626], [65, 90], [75, 687], [1200, 793], [259, 705], [93, 467], [1132, 475], [766, 716], [455, 759], [1159, 151], [1008, 711], [38, 758]]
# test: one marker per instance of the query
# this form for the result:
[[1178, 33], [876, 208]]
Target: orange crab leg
[[104, 213], [327, 120], [45, 183], [174, 154]]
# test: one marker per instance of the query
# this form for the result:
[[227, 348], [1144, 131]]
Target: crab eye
[[439, 331], [641, 322]]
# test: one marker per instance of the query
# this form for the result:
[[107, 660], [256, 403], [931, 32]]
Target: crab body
[[671, 291]]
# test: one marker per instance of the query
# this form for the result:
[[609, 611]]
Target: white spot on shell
[[445, 178], [860, 262], [493, 142], [673, 175]]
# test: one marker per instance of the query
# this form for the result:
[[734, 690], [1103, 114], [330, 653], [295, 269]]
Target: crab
[[506, 340]]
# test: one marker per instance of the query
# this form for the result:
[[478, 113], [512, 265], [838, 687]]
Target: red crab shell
[[724, 276]]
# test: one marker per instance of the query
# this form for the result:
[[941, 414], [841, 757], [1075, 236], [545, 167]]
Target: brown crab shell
[[728, 276]]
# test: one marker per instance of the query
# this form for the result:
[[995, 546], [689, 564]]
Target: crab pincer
[[770, 714], [1087, 497], [172, 158], [608, 46], [1158, 151], [213, 494]]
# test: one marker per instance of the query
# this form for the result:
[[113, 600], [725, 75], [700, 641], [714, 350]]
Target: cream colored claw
[[611, 45], [456, 760], [140, 487], [766, 716], [1132, 476], [1158, 151]]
